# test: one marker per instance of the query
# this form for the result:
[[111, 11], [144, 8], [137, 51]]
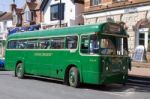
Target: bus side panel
[[58, 63], [60, 60], [38, 62], [91, 69], [50, 63], [12, 57]]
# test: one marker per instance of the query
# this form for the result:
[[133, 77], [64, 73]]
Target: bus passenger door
[[89, 51]]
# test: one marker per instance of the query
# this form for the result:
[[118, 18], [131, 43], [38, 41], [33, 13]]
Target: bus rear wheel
[[74, 77], [19, 70]]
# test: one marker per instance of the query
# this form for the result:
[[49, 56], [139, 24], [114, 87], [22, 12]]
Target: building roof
[[33, 6], [117, 5], [43, 5], [6, 16], [18, 10]]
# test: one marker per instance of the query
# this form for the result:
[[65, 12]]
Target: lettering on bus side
[[43, 54]]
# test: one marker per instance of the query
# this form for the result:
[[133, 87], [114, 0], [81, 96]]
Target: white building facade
[[5, 23], [69, 11]]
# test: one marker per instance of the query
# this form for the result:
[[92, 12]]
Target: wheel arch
[[66, 75], [19, 61]]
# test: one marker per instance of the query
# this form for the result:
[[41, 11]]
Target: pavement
[[140, 69]]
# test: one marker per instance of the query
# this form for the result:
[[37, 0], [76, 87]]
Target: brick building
[[17, 15], [29, 14], [134, 13]]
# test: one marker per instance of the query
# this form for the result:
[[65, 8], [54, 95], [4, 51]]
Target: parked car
[[2, 62]]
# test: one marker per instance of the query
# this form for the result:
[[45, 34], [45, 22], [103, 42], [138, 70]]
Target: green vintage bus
[[94, 54]]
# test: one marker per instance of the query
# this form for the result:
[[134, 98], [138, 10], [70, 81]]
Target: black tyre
[[19, 71], [74, 79]]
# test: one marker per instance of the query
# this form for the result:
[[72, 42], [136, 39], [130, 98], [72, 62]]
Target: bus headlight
[[124, 67], [123, 77], [107, 68]]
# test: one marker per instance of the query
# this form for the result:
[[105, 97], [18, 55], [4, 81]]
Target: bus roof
[[80, 29]]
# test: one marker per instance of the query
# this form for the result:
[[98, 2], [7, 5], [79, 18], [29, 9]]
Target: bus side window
[[84, 44], [107, 47], [57, 43], [12, 44], [31, 44], [94, 44], [44, 44], [71, 42], [21, 44]]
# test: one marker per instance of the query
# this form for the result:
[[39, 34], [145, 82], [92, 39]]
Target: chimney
[[13, 7]]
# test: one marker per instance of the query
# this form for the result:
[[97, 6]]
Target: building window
[[141, 39], [57, 12], [5, 25], [95, 2], [15, 17], [27, 16], [144, 38], [32, 15], [19, 19]]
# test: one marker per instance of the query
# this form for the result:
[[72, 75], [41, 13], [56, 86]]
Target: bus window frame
[[88, 54], [58, 38], [47, 37], [7, 47], [104, 35], [77, 42]]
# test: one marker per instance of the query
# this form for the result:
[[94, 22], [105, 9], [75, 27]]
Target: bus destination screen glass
[[112, 28]]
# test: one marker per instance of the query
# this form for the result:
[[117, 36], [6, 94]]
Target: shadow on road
[[108, 88], [45, 80], [118, 88]]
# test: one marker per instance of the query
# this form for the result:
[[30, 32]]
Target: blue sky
[[5, 4]]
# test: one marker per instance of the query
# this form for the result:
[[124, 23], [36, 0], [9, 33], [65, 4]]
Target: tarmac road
[[32, 88]]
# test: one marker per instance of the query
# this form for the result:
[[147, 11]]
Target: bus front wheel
[[19, 70], [74, 77]]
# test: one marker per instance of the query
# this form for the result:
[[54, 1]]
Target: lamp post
[[60, 14]]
